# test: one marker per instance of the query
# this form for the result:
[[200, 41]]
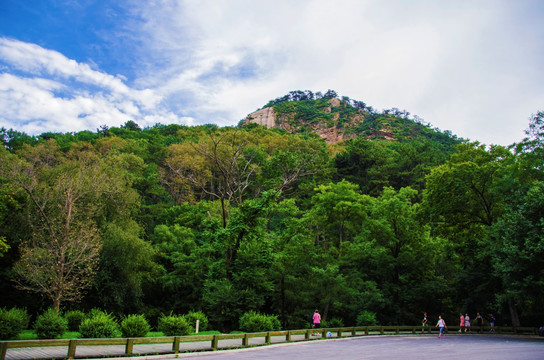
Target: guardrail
[[129, 343]]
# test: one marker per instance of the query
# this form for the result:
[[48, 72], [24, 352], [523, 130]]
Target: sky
[[474, 67]]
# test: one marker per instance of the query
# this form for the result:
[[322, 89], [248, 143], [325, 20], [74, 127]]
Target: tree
[[530, 150], [461, 193], [218, 165], [60, 259], [402, 250], [131, 125], [126, 264], [367, 164], [463, 198], [518, 254]]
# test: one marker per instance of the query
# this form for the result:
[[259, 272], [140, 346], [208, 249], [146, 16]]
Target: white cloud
[[470, 67], [55, 93], [456, 64]]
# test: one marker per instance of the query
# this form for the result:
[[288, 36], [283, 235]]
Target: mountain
[[337, 119]]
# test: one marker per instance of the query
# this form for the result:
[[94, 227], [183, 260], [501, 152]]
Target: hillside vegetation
[[395, 219]]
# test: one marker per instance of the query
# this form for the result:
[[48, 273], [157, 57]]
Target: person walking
[[479, 321], [467, 323], [441, 324], [461, 323], [492, 323], [316, 320], [424, 322]]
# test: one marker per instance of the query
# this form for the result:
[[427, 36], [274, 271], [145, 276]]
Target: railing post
[[397, 330], [366, 330], [307, 335], [215, 342], [288, 336], [129, 346], [3, 350], [72, 349], [175, 344], [268, 338], [245, 340], [353, 332]]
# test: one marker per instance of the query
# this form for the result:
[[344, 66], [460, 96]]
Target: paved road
[[405, 347], [495, 347]]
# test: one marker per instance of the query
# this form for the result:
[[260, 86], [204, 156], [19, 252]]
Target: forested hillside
[[371, 229]]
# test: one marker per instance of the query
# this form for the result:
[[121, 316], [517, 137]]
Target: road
[[494, 347]]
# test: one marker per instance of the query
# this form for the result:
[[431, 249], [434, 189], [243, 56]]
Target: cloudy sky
[[473, 67]]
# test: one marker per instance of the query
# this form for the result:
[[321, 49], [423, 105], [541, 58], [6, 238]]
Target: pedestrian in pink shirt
[[316, 320]]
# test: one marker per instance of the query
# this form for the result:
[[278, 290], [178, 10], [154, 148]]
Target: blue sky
[[472, 67]]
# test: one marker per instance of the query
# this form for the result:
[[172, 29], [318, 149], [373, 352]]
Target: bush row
[[99, 324], [95, 324]]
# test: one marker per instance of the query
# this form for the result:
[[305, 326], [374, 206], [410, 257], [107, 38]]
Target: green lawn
[[31, 334]]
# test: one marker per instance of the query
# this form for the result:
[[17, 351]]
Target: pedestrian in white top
[[441, 324]]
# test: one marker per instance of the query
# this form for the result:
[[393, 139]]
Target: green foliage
[[135, 326], [175, 325], [231, 220], [366, 318], [74, 319], [99, 325], [12, 322], [50, 325], [255, 322], [4, 247], [126, 262], [518, 252], [193, 316], [332, 323]]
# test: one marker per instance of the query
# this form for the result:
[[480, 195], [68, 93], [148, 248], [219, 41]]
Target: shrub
[[255, 322], [366, 318], [50, 325], [135, 326], [94, 312], [74, 319], [193, 316], [99, 325], [332, 323], [175, 325], [12, 322], [22, 316]]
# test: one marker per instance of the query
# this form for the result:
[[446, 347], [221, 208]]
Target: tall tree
[[464, 198], [60, 259], [219, 166]]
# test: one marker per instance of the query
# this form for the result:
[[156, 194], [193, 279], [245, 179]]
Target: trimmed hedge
[[135, 326], [99, 325], [50, 325], [255, 322], [193, 316], [175, 325], [12, 322]]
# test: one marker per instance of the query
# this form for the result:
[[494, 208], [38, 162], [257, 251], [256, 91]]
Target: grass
[[31, 334]]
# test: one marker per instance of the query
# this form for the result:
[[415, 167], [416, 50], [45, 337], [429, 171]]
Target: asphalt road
[[494, 347]]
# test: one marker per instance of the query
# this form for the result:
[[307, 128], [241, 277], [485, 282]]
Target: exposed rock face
[[330, 132], [264, 117]]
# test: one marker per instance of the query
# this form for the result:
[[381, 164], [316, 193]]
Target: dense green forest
[[169, 219]]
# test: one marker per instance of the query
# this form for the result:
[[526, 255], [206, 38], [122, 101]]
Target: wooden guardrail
[[129, 343]]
